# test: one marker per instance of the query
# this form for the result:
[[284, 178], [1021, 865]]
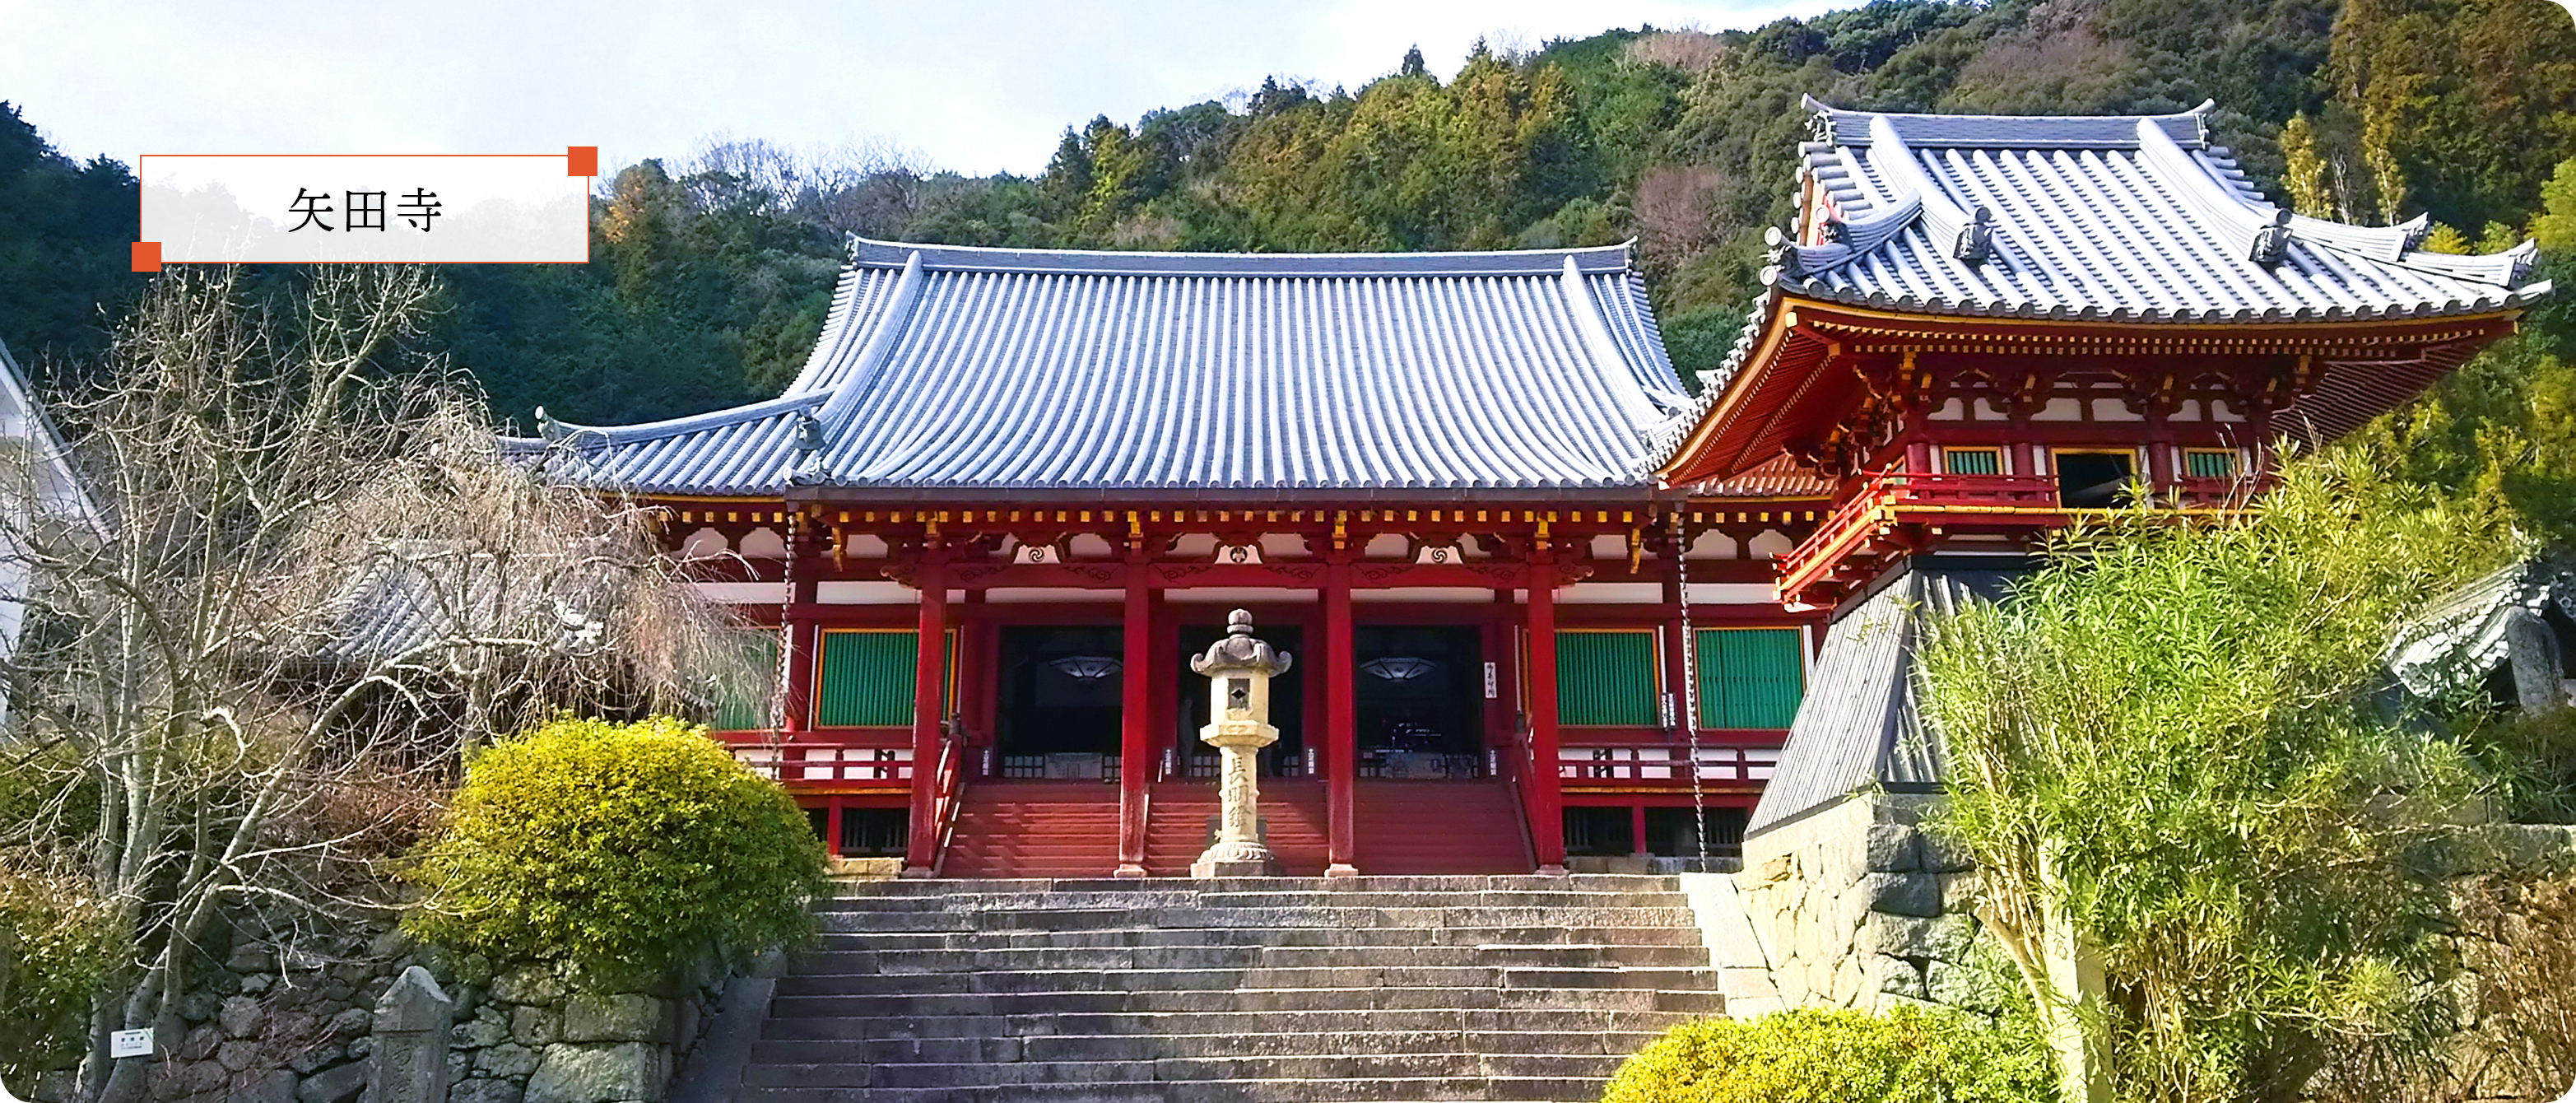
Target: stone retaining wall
[[261, 1025], [1857, 906]]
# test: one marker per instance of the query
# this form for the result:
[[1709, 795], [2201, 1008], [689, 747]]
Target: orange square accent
[[581, 160], [147, 256]]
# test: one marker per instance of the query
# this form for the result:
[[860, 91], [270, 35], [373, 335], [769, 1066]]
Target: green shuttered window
[[1605, 678], [1749, 677], [2204, 464], [1973, 461], [864, 679], [745, 707]]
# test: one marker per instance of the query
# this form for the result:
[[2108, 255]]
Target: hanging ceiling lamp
[[1087, 668], [1398, 668]]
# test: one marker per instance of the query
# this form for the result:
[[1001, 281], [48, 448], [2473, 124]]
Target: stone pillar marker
[[1239, 669], [409, 1061]]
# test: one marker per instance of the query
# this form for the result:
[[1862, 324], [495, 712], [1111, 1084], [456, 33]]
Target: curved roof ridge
[[1589, 260], [2186, 128], [692, 423]]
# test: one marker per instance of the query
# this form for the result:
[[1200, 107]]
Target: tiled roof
[[947, 371], [1862, 727], [2114, 219], [1778, 477], [2120, 218]]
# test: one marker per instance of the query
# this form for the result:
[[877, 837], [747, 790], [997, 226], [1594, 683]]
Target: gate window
[[1973, 461], [1605, 678], [863, 678], [875, 832], [1749, 677], [746, 706]]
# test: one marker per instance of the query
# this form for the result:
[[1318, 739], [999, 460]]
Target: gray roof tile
[[956, 370]]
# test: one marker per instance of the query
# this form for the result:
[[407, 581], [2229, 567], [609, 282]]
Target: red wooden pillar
[[1675, 673], [832, 827], [1546, 809], [1637, 829], [1135, 708], [928, 651], [1341, 724], [797, 619]]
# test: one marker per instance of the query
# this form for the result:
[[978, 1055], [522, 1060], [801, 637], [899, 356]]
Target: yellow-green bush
[[626, 850], [56, 942], [1812, 1056]]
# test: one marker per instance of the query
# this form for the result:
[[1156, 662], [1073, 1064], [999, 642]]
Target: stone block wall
[[261, 1024], [1852, 906], [1857, 906]]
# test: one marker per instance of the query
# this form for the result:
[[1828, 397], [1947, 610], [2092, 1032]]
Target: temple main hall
[[1550, 607]]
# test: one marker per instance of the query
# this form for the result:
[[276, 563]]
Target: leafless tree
[[309, 582]]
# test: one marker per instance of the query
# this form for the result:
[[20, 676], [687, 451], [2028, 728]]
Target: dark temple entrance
[[1058, 714], [1285, 758], [1418, 695]]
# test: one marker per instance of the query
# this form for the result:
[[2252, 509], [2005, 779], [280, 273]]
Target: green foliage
[[56, 945], [1807, 1055], [2459, 108], [64, 228], [626, 849], [2500, 432], [2169, 738], [2531, 758]]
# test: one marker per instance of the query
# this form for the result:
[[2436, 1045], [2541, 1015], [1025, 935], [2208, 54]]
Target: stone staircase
[[1262, 990]]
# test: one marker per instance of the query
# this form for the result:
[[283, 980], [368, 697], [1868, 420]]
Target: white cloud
[[974, 87]]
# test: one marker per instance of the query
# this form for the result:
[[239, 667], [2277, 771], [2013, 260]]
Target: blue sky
[[975, 87]]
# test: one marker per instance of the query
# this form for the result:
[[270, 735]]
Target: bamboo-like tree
[[2202, 834], [309, 580]]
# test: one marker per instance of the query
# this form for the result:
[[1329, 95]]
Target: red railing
[[1664, 764], [1898, 496], [800, 760], [951, 781]]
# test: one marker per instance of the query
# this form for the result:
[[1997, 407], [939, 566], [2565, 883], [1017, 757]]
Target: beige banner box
[[432, 209]]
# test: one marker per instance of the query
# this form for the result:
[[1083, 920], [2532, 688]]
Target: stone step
[[1380, 989], [1147, 1047], [945, 886], [989, 959], [1434, 1089], [1572, 933], [1283, 898], [1277, 999], [1340, 1020], [1269, 919], [1199, 980], [1345, 1066]]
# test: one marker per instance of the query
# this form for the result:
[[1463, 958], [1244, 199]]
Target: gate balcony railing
[[1665, 765], [825, 762], [1862, 526]]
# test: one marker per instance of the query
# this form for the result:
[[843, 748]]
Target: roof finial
[[2271, 243], [1781, 252], [548, 427], [809, 433], [1976, 239]]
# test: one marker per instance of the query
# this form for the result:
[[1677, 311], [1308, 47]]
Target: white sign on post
[[130, 1043], [1489, 681]]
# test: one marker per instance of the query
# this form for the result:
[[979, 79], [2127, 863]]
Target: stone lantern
[[1239, 669]]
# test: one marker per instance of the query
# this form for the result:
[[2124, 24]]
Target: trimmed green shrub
[[1909, 1055], [626, 850], [57, 941]]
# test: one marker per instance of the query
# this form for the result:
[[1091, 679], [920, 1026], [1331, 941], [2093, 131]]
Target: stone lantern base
[[1236, 860]]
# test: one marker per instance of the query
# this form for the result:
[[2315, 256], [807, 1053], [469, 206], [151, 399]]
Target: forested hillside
[[711, 272]]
